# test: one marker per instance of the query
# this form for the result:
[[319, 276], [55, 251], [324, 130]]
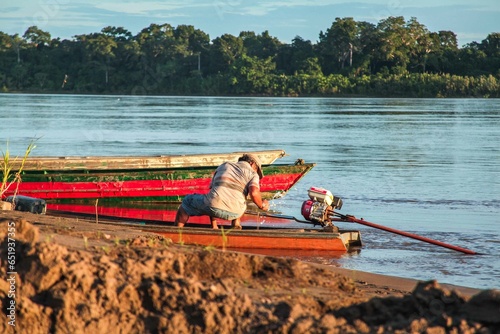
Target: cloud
[[141, 8]]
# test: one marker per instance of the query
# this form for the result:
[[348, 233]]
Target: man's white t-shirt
[[230, 186]]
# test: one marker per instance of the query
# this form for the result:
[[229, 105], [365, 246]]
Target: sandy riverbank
[[76, 276]]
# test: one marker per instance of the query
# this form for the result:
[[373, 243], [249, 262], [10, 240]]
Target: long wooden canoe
[[93, 163], [255, 237], [282, 239], [144, 184]]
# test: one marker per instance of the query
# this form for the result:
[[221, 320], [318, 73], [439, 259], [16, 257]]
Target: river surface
[[426, 166]]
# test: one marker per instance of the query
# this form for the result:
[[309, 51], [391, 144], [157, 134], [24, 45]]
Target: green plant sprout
[[7, 165], [224, 238], [181, 241]]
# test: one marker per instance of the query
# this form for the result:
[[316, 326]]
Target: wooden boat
[[92, 163], [278, 238], [254, 237], [114, 182], [266, 233]]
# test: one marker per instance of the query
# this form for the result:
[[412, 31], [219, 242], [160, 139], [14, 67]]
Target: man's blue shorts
[[194, 205]]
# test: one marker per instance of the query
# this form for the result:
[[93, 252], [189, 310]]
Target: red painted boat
[[154, 212], [132, 180]]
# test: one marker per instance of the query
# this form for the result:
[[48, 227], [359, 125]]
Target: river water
[[425, 166]]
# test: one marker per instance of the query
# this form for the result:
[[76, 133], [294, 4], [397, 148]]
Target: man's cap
[[254, 158]]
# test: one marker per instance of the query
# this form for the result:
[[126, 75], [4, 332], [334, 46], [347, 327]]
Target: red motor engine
[[320, 207]]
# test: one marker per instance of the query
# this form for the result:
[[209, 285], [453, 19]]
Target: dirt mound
[[149, 286]]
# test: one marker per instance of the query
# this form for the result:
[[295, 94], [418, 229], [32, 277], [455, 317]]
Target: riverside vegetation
[[396, 57]]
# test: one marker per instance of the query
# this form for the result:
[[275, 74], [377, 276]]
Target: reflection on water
[[426, 166]]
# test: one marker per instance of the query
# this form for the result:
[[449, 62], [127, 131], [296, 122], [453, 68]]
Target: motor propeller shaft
[[320, 209]]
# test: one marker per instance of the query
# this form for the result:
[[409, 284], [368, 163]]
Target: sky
[[285, 20]]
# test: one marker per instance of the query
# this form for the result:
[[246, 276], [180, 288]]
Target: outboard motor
[[320, 206]]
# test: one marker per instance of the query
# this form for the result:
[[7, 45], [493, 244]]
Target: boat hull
[[282, 239], [266, 234], [165, 185]]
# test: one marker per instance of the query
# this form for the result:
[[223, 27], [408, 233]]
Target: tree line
[[395, 57]]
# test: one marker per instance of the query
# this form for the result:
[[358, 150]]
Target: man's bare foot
[[235, 223], [213, 221]]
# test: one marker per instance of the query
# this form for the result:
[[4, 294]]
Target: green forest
[[393, 58]]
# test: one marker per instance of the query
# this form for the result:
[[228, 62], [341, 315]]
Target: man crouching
[[229, 188]]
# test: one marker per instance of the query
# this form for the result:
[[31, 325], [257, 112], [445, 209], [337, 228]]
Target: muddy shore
[[76, 276]]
